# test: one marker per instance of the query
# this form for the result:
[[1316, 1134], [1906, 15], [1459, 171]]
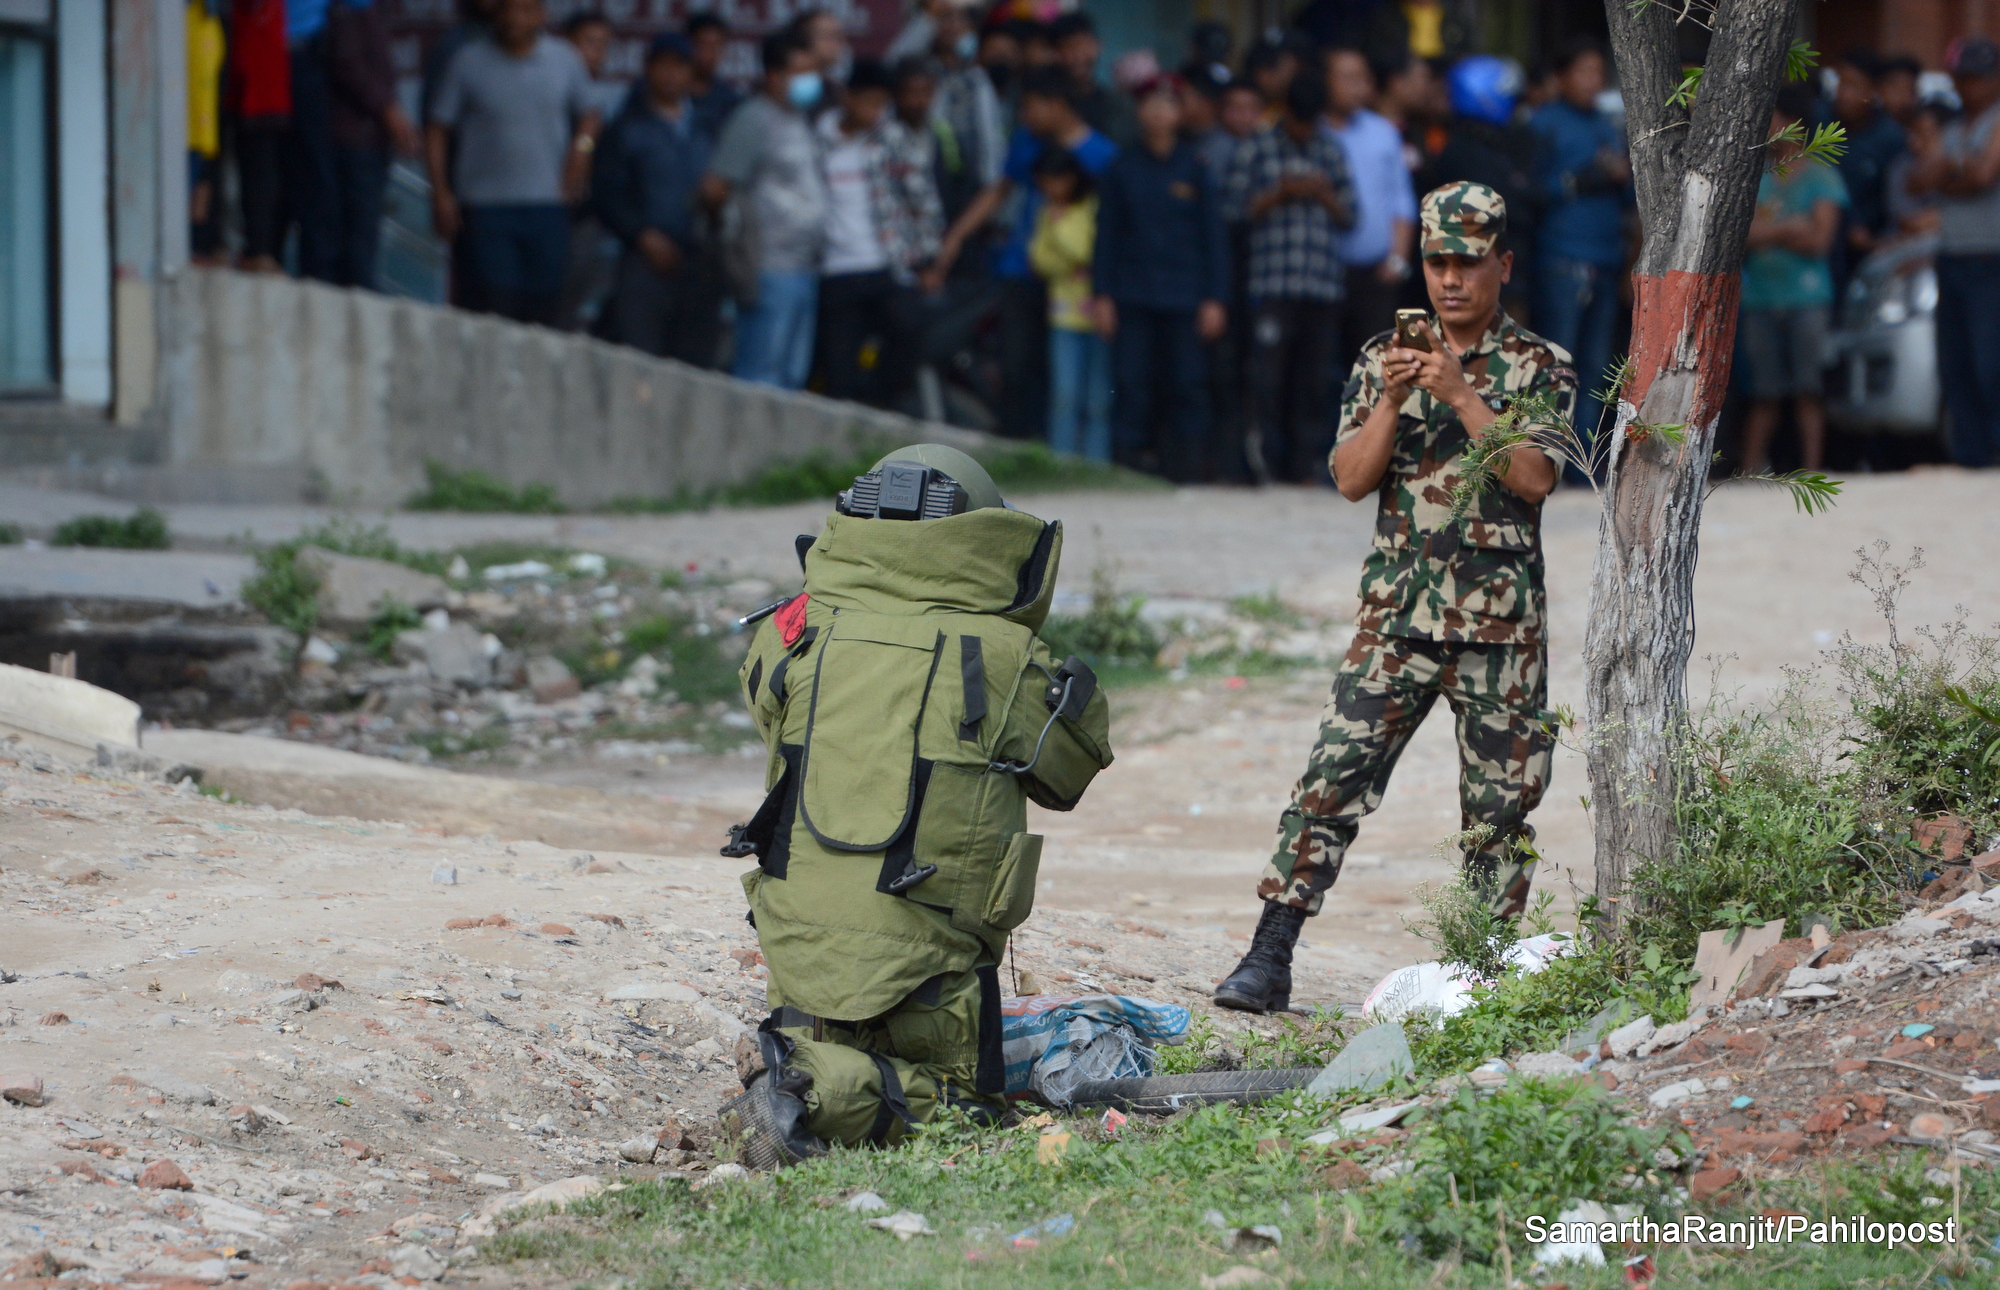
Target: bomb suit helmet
[[925, 481]]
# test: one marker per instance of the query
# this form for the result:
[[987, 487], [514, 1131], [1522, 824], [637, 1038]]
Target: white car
[[1882, 361]]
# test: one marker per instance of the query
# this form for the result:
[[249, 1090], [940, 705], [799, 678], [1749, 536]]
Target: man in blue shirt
[[645, 186], [1049, 119], [1161, 274], [1376, 250], [1585, 182]]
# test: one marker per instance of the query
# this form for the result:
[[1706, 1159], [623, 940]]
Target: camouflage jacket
[[1479, 578]]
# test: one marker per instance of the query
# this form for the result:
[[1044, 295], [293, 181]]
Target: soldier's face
[[1465, 289]]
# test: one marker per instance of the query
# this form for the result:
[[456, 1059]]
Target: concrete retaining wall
[[359, 390]]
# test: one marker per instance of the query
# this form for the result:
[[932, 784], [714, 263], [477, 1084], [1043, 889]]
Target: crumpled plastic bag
[[1442, 990], [1054, 1044]]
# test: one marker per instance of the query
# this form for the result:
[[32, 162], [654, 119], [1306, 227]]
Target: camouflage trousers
[[1386, 686]]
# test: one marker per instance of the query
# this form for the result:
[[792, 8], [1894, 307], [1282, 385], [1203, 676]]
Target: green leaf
[[1812, 491], [1800, 60], [1683, 97]]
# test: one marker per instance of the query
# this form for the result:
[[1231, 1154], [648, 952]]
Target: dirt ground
[[455, 1065], [1183, 822]]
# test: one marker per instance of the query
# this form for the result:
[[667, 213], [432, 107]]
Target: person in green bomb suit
[[911, 713]]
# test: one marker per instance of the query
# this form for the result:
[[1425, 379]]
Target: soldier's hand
[[1438, 372], [1400, 370]]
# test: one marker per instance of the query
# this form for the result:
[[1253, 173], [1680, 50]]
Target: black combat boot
[[1262, 982], [768, 1119]]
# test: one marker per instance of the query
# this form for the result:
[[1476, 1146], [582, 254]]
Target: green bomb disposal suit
[[908, 708]]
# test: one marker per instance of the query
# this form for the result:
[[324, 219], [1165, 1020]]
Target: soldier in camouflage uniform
[[1449, 607]]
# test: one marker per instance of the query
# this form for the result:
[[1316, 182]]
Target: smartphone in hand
[[1410, 330]]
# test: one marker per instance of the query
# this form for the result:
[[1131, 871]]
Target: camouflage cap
[[1462, 218]]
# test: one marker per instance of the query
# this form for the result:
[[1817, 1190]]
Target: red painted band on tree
[[1687, 322]]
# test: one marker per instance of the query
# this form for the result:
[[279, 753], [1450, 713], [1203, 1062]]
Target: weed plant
[[1111, 633], [475, 490], [143, 530]]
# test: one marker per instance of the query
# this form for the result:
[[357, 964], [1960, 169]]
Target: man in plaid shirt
[[1290, 182], [883, 225]]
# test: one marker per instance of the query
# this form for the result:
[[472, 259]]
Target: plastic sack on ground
[[1443, 991], [1054, 1043]]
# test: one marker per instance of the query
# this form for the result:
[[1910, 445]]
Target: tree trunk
[[1696, 174]]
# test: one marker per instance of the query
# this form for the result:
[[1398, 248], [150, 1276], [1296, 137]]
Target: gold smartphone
[[1409, 329]]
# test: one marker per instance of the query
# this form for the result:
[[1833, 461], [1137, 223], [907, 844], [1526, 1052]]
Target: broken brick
[[313, 982], [1751, 1043], [1849, 1065], [1705, 1185], [1873, 1105], [1343, 1175], [612, 919], [1827, 1121], [1865, 1136], [460, 924], [1736, 1142], [1904, 1049], [165, 1175], [557, 929], [80, 1169], [1943, 836], [1767, 971]]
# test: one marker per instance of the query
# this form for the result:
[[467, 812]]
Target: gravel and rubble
[[240, 1043]]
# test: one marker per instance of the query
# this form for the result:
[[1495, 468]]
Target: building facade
[[93, 197]]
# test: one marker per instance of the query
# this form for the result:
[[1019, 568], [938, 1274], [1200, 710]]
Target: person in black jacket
[[1162, 273], [367, 124], [643, 183]]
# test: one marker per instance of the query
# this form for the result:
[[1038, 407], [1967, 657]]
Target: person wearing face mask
[[819, 30], [766, 176], [965, 97]]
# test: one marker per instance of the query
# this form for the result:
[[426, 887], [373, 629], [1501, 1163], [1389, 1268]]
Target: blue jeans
[[1079, 393], [1577, 308], [516, 257], [774, 337], [1968, 355]]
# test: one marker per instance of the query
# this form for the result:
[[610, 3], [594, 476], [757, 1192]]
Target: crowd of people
[[1173, 269]]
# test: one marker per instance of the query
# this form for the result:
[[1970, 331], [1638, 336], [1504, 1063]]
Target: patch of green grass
[[1312, 1041], [1531, 1147], [283, 590], [1532, 1012], [143, 530], [1140, 1199], [1265, 607], [475, 490], [479, 556], [1110, 633], [1201, 1046], [449, 741], [10, 533], [287, 592], [389, 621], [820, 476], [1036, 468], [700, 670]]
